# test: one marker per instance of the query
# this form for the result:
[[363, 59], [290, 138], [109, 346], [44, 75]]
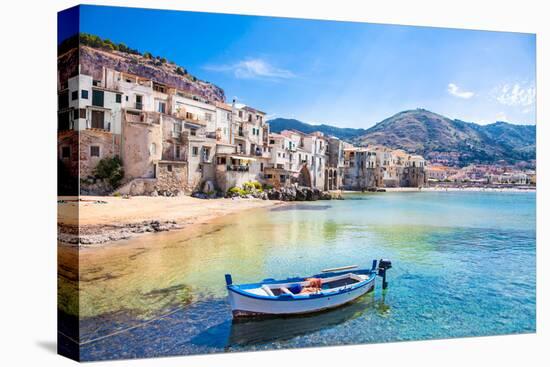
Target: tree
[[110, 169], [122, 47]]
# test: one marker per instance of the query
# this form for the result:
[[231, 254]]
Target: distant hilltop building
[[173, 141]]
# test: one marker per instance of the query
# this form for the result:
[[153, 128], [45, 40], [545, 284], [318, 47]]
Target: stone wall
[[108, 143], [228, 179], [142, 148], [67, 170], [68, 139], [171, 178]]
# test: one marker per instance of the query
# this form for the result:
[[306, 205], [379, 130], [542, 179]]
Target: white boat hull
[[245, 305]]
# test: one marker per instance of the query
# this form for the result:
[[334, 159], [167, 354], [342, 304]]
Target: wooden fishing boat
[[301, 295]]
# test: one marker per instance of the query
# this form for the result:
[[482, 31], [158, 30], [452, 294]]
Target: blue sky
[[340, 73]]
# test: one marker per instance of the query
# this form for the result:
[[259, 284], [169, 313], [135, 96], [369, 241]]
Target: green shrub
[[147, 55], [110, 169], [252, 185], [236, 191], [180, 71], [267, 187]]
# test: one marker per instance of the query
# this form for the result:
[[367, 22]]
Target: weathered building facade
[[171, 141]]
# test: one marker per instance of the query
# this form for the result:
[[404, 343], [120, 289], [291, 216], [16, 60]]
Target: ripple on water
[[464, 265]]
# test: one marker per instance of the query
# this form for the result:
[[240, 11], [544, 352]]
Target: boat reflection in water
[[256, 331]]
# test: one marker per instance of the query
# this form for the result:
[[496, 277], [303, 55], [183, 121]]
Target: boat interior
[[328, 285]]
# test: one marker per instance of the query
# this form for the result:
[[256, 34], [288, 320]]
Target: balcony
[[143, 117], [238, 168]]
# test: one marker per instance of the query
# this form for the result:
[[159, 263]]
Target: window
[[98, 97], [74, 95], [195, 151], [228, 116], [118, 98], [169, 168], [159, 88], [240, 114], [66, 152], [139, 102], [75, 114], [177, 128], [161, 107], [84, 94], [98, 119], [205, 154], [178, 152], [94, 151], [82, 113], [208, 117], [261, 167], [193, 132]]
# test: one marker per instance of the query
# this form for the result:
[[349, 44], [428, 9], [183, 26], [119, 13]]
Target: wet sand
[[103, 219]]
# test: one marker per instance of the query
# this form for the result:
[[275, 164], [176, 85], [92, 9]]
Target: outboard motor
[[383, 265]]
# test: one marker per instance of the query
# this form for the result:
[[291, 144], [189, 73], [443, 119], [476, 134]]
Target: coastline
[[444, 189], [95, 220]]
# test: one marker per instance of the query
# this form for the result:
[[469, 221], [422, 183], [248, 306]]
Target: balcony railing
[[143, 117], [238, 168]]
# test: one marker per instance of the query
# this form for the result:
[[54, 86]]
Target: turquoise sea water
[[463, 265]]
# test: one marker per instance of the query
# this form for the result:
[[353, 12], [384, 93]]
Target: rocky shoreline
[[98, 234], [291, 193], [300, 194]]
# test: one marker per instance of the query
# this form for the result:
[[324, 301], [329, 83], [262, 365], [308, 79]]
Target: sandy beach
[[100, 219]]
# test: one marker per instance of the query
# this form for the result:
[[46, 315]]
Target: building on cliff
[[377, 166], [174, 138]]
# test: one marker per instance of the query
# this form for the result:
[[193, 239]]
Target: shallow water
[[464, 265]]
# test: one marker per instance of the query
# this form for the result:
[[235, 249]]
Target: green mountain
[[279, 124], [438, 138]]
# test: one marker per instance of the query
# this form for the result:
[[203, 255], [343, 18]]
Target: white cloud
[[516, 95], [254, 69], [454, 90]]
